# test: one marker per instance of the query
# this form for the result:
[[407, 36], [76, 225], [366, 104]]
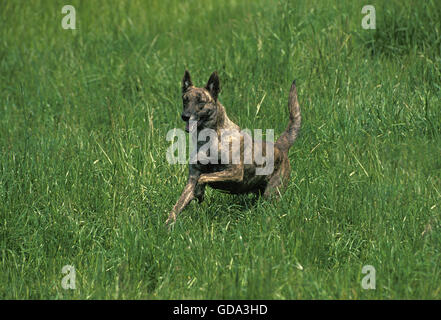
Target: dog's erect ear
[[213, 85], [186, 81]]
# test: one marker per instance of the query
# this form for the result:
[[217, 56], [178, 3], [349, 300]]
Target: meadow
[[84, 179]]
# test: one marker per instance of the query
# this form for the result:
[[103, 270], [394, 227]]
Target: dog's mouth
[[191, 125]]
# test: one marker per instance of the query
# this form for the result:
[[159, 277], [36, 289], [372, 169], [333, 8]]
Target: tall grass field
[[85, 182]]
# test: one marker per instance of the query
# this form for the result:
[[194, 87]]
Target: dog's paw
[[171, 219]]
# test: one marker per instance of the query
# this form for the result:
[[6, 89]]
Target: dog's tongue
[[191, 125]]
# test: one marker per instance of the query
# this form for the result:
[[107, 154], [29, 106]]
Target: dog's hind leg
[[273, 187], [278, 181]]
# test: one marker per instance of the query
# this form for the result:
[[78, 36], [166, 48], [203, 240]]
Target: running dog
[[202, 110]]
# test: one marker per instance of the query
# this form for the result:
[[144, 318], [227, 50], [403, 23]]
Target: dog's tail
[[288, 137]]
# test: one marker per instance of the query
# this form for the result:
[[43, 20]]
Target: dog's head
[[200, 104]]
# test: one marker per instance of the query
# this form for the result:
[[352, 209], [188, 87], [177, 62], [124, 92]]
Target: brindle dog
[[203, 110]]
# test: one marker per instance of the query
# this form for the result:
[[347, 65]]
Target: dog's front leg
[[231, 174], [199, 192], [187, 195]]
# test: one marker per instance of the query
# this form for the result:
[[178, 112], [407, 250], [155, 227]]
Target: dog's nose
[[185, 117]]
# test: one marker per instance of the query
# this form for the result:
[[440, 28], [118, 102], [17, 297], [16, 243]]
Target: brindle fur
[[202, 105]]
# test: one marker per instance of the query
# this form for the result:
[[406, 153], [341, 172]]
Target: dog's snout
[[185, 117]]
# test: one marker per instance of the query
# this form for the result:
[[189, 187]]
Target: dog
[[203, 110]]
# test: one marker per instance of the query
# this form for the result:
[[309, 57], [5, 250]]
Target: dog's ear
[[186, 81], [213, 85]]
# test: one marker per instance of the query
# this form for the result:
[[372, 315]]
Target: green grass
[[84, 179]]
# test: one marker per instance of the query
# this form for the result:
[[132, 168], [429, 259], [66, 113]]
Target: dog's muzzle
[[190, 122]]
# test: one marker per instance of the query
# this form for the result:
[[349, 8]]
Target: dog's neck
[[222, 120]]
